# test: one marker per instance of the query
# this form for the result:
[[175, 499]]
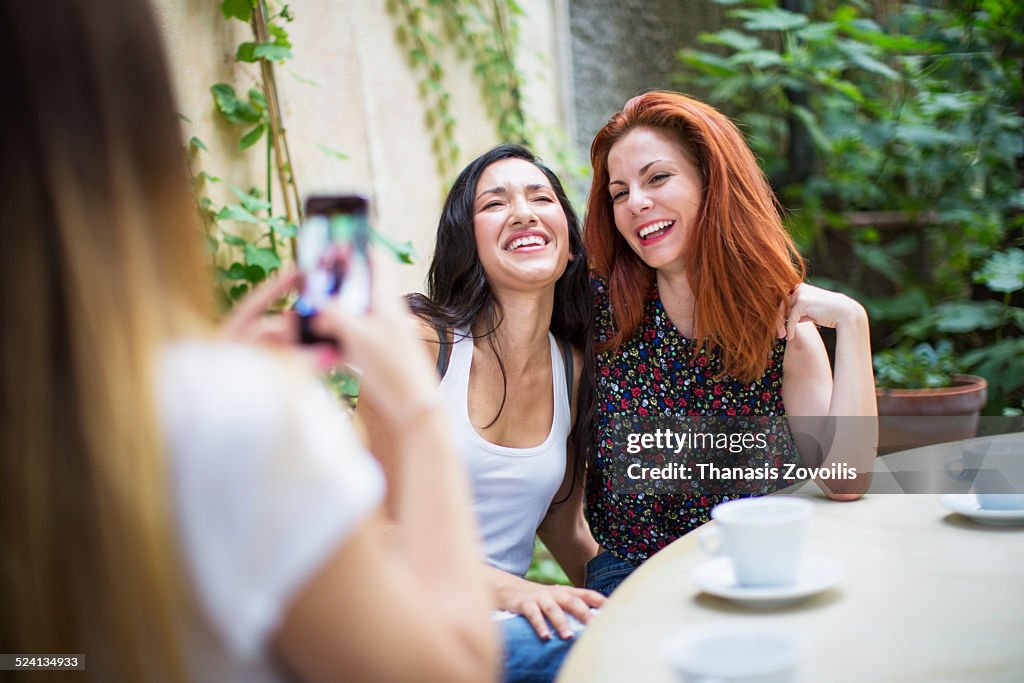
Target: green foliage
[[247, 235], [345, 388], [237, 9], [893, 140], [544, 568], [922, 367], [483, 33]]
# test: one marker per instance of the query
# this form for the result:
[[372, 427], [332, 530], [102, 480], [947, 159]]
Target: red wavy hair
[[744, 264]]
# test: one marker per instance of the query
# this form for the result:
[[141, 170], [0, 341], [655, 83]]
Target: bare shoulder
[[427, 332]]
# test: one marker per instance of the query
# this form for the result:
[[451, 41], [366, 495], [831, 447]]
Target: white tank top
[[512, 487]]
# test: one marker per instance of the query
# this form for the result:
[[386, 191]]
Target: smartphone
[[333, 255]]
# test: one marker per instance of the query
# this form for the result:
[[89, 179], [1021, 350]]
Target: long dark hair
[[458, 294]]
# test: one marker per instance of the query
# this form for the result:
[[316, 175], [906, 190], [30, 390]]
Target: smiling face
[[522, 235], [656, 191]]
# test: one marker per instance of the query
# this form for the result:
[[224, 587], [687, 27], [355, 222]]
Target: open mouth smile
[[654, 230], [527, 242]]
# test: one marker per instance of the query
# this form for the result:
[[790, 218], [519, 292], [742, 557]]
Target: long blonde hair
[[100, 265]]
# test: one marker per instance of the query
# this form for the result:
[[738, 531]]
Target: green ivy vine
[[483, 32], [248, 233]]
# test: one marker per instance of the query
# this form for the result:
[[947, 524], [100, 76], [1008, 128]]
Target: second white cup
[[763, 537]]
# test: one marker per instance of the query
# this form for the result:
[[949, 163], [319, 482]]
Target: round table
[[929, 595]]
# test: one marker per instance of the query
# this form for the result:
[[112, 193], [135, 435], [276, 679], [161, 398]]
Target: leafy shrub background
[[893, 136]]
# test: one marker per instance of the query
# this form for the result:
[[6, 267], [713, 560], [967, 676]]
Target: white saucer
[[817, 573], [967, 505]]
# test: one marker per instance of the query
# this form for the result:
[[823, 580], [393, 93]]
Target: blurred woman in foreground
[[176, 506]]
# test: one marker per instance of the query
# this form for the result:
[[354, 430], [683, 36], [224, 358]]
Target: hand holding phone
[[333, 258]]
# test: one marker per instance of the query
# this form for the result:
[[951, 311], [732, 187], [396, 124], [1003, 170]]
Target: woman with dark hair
[[701, 311], [508, 314], [176, 506]]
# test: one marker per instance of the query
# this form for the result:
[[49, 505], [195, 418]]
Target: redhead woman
[[702, 311]]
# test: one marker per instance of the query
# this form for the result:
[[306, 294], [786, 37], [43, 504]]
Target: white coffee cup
[[763, 537], [999, 481], [732, 655]]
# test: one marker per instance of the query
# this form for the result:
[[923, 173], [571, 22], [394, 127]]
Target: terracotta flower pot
[[908, 418]]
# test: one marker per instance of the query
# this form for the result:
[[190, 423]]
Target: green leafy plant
[[544, 568], [483, 33], [246, 238], [892, 136], [922, 367]]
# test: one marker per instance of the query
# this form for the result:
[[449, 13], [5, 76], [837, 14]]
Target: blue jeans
[[528, 659], [605, 572]]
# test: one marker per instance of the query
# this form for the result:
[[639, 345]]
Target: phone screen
[[333, 256]]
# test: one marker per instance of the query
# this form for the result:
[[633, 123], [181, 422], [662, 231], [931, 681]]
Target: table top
[[929, 595]]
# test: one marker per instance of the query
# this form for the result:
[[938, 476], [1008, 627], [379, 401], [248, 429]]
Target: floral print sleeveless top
[[655, 376]]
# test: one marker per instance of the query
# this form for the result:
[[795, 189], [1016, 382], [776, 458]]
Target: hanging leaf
[[279, 33], [1003, 272], [234, 212], [283, 227], [252, 203], [246, 52], [304, 80], [224, 97], [232, 108], [196, 143], [999, 363], [255, 274], [731, 38], [341, 156], [257, 99], [967, 316], [237, 9], [770, 19], [235, 272], [252, 137], [810, 122], [272, 52], [759, 59], [402, 251], [705, 62], [262, 257]]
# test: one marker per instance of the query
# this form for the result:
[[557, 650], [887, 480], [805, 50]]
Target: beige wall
[[367, 105]]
